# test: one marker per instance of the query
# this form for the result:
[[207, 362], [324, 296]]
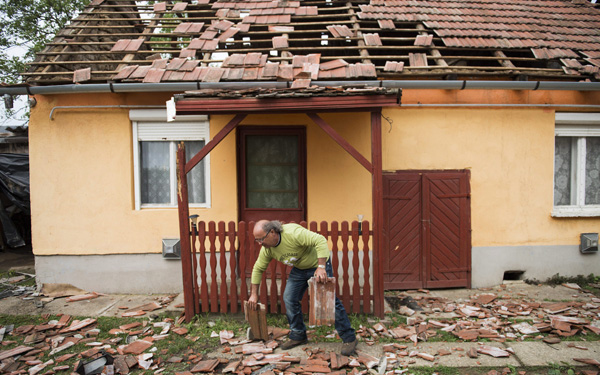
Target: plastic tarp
[[14, 186]]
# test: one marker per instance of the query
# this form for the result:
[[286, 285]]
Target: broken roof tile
[[187, 52], [340, 31], [176, 63], [153, 75], [209, 34], [189, 65], [286, 72], [125, 72], [222, 25], [160, 63], [189, 27], [178, 7], [252, 58], [160, 7], [386, 24], [230, 32], [417, 59], [193, 75], [394, 66], [372, 39], [269, 71], [210, 45], [140, 72], [333, 64], [250, 74], [280, 28], [82, 75], [424, 40], [196, 43], [213, 74], [280, 42]]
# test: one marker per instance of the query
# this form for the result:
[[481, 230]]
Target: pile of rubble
[[9, 286], [482, 320]]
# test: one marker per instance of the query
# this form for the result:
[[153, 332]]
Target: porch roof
[[307, 99]]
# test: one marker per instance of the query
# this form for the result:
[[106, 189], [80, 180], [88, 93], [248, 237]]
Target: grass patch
[[439, 370]]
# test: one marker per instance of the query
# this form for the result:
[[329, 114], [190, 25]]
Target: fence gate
[[426, 230]]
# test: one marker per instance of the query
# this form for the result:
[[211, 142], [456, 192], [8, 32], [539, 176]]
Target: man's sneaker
[[292, 343], [349, 348]]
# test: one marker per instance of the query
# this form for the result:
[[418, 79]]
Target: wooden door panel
[[445, 258], [402, 257], [426, 234]]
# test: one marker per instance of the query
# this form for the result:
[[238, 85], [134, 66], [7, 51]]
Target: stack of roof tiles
[[258, 40]]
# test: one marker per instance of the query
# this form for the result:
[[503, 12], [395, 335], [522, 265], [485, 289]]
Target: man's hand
[[321, 275], [253, 301]]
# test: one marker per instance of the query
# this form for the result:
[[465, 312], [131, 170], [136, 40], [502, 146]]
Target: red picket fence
[[222, 257]]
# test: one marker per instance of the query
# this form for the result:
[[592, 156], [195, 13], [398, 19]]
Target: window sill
[[576, 211], [162, 206]]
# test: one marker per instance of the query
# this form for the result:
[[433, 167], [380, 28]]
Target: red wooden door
[[427, 230]]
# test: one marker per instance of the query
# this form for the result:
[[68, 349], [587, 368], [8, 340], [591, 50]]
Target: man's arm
[[253, 300], [320, 273]]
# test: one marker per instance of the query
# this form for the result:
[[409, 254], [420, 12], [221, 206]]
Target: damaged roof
[[324, 40]]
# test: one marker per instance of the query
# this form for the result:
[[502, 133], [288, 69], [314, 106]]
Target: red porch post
[[184, 235], [376, 160]]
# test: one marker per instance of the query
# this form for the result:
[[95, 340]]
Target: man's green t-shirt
[[298, 247]]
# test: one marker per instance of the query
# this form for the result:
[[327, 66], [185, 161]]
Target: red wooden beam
[[341, 141], [188, 106], [213, 142], [377, 212], [183, 210]]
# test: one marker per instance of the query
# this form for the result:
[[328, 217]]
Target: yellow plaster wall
[[510, 153], [82, 190]]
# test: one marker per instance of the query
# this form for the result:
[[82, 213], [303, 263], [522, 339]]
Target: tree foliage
[[26, 26]]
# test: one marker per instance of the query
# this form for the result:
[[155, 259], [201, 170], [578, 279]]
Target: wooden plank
[[283, 270], [214, 142], [335, 253], [322, 302], [204, 299], [356, 269], [195, 267], [214, 290], [341, 141], [184, 234], [377, 211], [243, 249], [223, 266], [233, 295], [345, 266], [366, 290], [258, 321], [273, 294]]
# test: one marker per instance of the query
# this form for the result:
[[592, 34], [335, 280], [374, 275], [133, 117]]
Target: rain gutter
[[188, 86]]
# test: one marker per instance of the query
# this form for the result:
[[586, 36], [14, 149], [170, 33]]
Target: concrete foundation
[[136, 273], [151, 273], [489, 264]]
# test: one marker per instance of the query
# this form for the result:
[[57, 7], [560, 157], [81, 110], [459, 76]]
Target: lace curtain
[[155, 161], [272, 171], [562, 171]]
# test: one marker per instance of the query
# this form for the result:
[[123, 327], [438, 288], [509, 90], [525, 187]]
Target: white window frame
[[154, 127], [580, 126]]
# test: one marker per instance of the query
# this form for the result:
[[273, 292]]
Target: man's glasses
[[260, 240]]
